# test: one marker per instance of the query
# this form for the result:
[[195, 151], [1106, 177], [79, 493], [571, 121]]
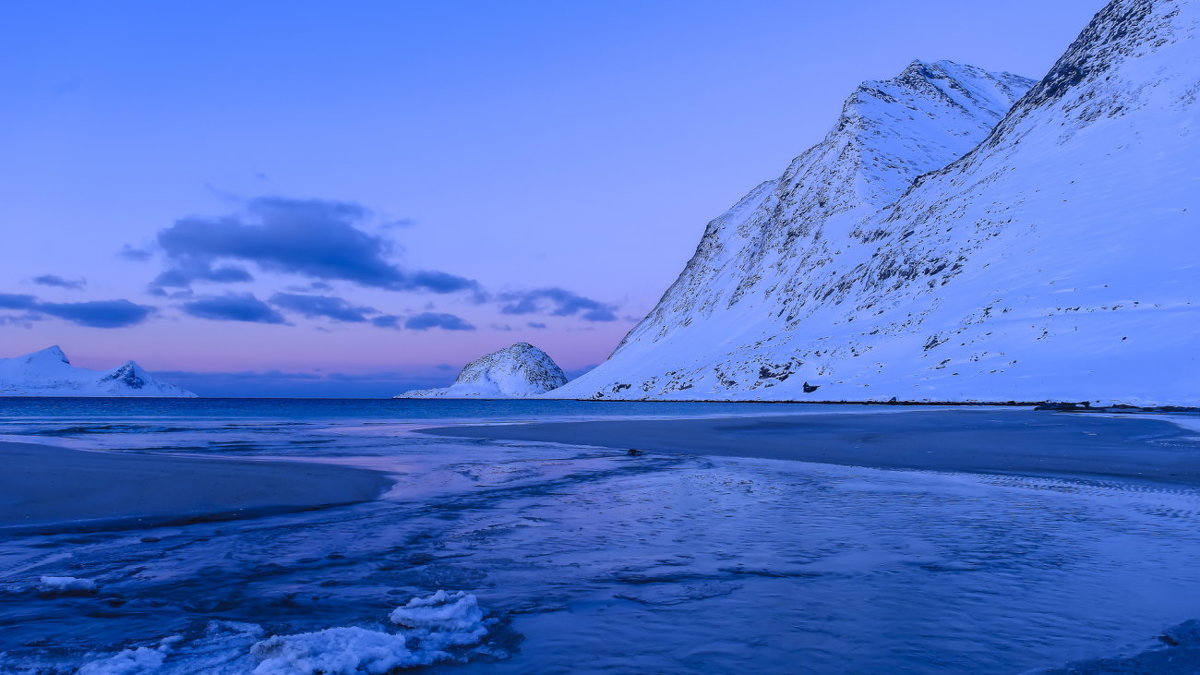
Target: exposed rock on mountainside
[[513, 372], [923, 251], [49, 373]]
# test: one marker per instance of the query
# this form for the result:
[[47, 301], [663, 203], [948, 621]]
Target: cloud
[[328, 306], [558, 302], [98, 313], [136, 254], [232, 307], [312, 238], [299, 384], [13, 301], [334, 308], [55, 280], [427, 320], [186, 272], [93, 314], [536, 325]]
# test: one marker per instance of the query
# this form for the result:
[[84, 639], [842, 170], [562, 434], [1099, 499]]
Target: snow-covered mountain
[[49, 373], [1055, 259], [513, 372]]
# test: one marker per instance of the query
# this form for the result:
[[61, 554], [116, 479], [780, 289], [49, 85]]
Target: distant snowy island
[[49, 373], [513, 372]]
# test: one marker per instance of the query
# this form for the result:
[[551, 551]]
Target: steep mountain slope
[[513, 372], [49, 373], [1055, 260]]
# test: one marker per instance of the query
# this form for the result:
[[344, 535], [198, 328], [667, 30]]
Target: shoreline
[[1021, 442], [51, 489]]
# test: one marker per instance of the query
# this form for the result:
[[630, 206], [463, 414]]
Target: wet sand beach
[[1020, 442], [48, 488]]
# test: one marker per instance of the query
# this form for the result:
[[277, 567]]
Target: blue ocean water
[[583, 559], [305, 409]]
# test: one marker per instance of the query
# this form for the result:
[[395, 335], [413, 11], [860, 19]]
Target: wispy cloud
[[293, 384], [557, 302], [136, 254], [327, 306], [427, 320], [59, 282]]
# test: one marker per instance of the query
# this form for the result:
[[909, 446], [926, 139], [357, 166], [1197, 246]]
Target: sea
[[524, 557]]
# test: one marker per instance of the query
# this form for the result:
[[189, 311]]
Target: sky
[[352, 199]]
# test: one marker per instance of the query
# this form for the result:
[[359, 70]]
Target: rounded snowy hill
[[513, 372], [49, 373]]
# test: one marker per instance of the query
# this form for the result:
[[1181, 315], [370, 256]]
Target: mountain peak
[[770, 245], [51, 354], [130, 374]]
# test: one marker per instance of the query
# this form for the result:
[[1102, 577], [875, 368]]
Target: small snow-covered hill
[[513, 372], [937, 246], [49, 373]]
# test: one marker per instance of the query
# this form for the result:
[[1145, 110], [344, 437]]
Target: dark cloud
[[313, 238], [427, 320], [558, 302], [328, 306], [13, 301], [536, 325], [94, 314], [57, 281], [232, 307], [387, 321]]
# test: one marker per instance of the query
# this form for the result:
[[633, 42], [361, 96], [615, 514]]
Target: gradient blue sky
[[355, 198]]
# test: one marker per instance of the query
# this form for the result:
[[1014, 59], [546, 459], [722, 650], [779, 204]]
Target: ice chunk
[[128, 662], [429, 625], [337, 651], [443, 619], [67, 586]]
